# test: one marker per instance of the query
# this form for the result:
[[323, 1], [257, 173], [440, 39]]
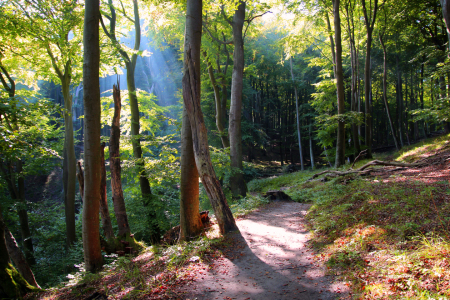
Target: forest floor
[[268, 259], [382, 235]]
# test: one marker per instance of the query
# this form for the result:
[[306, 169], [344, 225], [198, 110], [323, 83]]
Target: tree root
[[364, 169]]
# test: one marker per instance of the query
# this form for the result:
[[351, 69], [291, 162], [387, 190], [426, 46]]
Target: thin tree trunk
[[114, 165], [237, 183], [218, 100], [19, 259], [386, 104], [70, 162], [311, 153], [369, 21], [104, 210], [340, 141], [91, 232], [299, 137]]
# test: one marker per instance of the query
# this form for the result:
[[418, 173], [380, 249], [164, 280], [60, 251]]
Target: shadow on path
[[267, 259]]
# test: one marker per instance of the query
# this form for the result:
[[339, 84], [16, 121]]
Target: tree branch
[[216, 39]]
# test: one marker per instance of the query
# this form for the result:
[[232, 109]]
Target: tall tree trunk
[[386, 104], [340, 141], [369, 21], [191, 97], [114, 165], [91, 232], [104, 210], [237, 183], [399, 102], [298, 117], [354, 76], [19, 259], [311, 152], [70, 163], [190, 223]]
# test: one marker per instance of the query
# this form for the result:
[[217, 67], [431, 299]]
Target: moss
[[116, 244], [12, 284]]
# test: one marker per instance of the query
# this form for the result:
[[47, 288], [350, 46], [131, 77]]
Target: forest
[[157, 149]]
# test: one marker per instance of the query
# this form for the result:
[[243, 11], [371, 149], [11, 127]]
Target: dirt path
[[269, 259]]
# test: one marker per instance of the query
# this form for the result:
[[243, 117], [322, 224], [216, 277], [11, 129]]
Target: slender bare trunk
[[104, 210], [386, 104], [369, 20], [340, 140], [70, 163], [297, 113], [114, 165], [220, 121]]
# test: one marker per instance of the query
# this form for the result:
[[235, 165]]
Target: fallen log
[[362, 170]]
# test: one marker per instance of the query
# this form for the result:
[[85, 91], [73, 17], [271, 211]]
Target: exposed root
[[364, 169]]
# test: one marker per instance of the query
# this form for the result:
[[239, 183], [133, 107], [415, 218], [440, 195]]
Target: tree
[[340, 143], [13, 171], [386, 104], [369, 21], [298, 119], [130, 64], [50, 39], [92, 177], [237, 182], [191, 97], [12, 284], [114, 161]]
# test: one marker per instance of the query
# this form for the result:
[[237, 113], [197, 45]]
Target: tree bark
[[114, 165], [70, 163], [297, 113], [104, 210], [354, 76], [340, 141], [220, 121], [386, 104], [369, 23], [190, 223], [12, 284], [91, 231], [311, 152], [237, 183], [191, 97], [19, 259]]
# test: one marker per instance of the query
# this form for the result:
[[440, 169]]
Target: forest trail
[[268, 259]]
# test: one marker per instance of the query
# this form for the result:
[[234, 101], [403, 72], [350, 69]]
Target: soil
[[269, 259]]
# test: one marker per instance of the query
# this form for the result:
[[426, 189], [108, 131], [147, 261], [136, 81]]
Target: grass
[[389, 237]]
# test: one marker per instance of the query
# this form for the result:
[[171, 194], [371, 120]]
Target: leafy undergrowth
[[157, 273], [388, 233]]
